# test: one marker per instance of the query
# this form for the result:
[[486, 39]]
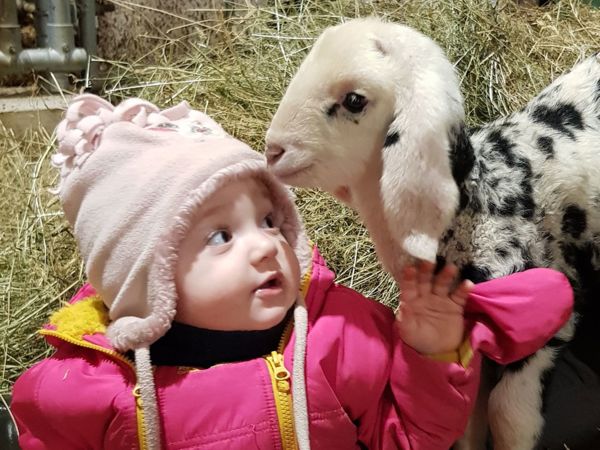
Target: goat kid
[[375, 116]]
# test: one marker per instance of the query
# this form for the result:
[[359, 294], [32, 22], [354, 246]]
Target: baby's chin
[[270, 318], [257, 319]]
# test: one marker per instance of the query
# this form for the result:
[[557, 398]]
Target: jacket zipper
[[282, 393], [280, 379], [139, 412]]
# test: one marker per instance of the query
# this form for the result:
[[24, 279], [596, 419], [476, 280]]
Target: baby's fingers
[[442, 282], [424, 278], [408, 284], [461, 293]]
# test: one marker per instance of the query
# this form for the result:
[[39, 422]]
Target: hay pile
[[504, 55]]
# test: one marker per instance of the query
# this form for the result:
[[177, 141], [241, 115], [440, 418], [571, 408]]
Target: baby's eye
[[268, 221], [219, 237]]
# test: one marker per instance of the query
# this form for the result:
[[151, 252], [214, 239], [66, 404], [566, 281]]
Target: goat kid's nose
[[274, 153]]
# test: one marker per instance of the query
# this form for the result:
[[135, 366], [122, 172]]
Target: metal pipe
[[56, 28], [49, 60], [89, 39], [10, 32], [45, 59], [55, 32], [87, 26], [56, 40]]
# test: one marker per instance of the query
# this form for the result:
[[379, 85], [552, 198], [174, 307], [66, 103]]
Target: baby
[[211, 322]]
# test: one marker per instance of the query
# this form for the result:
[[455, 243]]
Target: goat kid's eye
[[354, 102], [219, 237]]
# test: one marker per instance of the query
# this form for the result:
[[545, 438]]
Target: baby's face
[[236, 271]]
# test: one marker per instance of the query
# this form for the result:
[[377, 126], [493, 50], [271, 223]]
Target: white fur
[[405, 76], [519, 394], [515, 215]]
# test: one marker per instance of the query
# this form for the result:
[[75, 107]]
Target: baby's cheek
[[293, 264]]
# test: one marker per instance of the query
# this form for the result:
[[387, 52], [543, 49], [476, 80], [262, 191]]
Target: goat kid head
[[367, 118]]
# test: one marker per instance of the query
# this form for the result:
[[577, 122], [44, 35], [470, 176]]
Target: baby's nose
[[263, 247]]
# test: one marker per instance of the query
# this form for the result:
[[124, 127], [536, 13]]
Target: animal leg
[[515, 405]]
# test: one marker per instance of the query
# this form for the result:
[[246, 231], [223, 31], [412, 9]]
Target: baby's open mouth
[[274, 282]]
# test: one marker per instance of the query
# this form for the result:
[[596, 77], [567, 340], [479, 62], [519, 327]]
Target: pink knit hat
[[132, 179]]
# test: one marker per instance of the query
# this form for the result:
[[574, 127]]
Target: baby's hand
[[430, 315]]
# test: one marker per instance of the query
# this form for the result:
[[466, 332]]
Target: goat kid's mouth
[[287, 174]]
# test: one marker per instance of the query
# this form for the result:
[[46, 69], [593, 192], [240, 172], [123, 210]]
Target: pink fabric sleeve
[[428, 402], [69, 402], [84, 291], [514, 316]]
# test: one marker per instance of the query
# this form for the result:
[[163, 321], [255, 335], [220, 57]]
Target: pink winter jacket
[[365, 388]]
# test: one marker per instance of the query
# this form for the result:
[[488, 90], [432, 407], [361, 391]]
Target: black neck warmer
[[185, 345]]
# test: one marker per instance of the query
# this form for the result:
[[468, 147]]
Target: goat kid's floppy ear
[[405, 217], [418, 193]]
